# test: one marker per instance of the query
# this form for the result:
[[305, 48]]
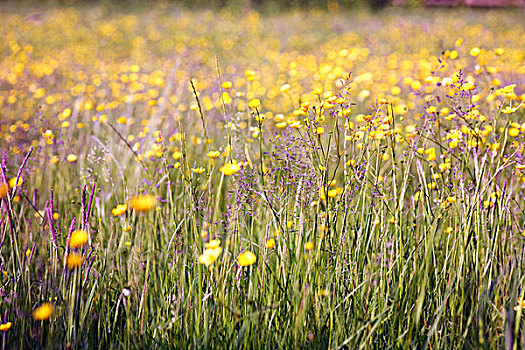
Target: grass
[[240, 189]]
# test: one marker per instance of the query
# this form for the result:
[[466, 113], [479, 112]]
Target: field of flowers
[[309, 179]]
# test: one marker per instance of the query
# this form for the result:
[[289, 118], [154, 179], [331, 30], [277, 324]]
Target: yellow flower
[[78, 238], [143, 203], [308, 245], [213, 154], [210, 255], [198, 170], [227, 85], [250, 74], [3, 190], [285, 87], [509, 110], [521, 304], [119, 209], [270, 243], [71, 158], [12, 182], [230, 168], [213, 244], [5, 327], [43, 312], [246, 259], [319, 130], [255, 103], [475, 51], [513, 132], [74, 260]]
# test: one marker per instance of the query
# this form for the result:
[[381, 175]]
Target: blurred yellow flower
[[143, 203], [309, 245], [78, 238], [230, 168], [5, 326], [12, 182], [255, 103], [71, 158], [4, 189], [74, 260], [214, 243], [119, 209], [210, 255], [270, 243], [213, 154], [475, 51], [521, 304], [246, 259], [43, 312]]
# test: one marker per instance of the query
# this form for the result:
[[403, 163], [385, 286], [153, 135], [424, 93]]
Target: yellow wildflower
[[5, 326], [270, 243], [230, 168], [43, 312], [78, 238], [246, 259], [143, 203], [74, 260]]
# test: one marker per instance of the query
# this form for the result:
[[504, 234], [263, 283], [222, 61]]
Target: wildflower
[[521, 304], [255, 103], [74, 260], [3, 190], [227, 85], [71, 158], [198, 170], [250, 74], [43, 312], [319, 130], [332, 193], [230, 168], [5, 326], [12, 182], [270, 243], [78, 238], [210, 255], [213, 244], [308, 245], [213, 154], [475, 51], [246, 259], [119, 209], [285, 87], [509, 110], [143, 203]]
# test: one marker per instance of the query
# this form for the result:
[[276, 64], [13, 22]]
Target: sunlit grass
[[308, 179]]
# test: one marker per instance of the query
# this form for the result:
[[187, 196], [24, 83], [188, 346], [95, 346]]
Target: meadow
[[315, 178]]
